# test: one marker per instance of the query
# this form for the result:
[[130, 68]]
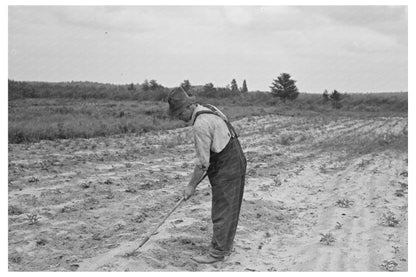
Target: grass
[[53, 117], [32, 120]]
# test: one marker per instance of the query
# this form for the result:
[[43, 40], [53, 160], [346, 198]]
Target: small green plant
[[131, 190], [41, 242], [85, 185], [118, 227], [344, 203], [327, 238], [389, 219], [33, 219], [109, 195], [404, 174], [338, 226], [286, 139], [277, 182], [68, 209], [389, 265], [403, 186], [15, 259], [364, 163], [33, 180], [13, 210], [139, 218]]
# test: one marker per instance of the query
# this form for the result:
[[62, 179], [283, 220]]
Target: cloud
[[388, 20], [208, 43], [105, 18], [241, 16]]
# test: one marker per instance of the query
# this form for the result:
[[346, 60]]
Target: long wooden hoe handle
[[160, 224], [164, 219]]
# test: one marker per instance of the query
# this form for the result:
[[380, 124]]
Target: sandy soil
[[315, 200]]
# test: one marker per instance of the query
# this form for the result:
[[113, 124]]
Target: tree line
[[283, 87]]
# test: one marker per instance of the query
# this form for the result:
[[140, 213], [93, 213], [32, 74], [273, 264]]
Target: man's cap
[[178, 100]]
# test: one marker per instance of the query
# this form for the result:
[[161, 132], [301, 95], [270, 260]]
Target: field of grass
[[34, 117], [37, 119]]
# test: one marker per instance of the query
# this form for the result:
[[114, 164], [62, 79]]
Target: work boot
[[207, 259]]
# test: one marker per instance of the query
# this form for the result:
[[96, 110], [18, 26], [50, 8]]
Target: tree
[[244, 88], [284, 87], [145, 86], [131, 87], [154, 85], [186, 85], [325, 95], [335, 95], [234, 87], [209, 89]]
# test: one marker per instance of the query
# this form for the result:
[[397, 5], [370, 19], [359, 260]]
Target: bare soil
[[321, 195]]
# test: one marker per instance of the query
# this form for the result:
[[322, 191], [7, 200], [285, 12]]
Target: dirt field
[[321, 195]]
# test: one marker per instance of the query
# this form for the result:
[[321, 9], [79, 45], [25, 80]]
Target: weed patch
[[33, 219], [327, 239], [13, 210], [344, 203], [389, 265], [389, 219]]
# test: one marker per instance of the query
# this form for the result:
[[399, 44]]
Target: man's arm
[[196, 177], [202, 140]]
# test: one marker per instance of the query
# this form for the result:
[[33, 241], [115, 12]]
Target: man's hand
[[196, 178], [188, 192]]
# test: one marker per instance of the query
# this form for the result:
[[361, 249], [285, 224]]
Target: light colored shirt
[[210, 134]]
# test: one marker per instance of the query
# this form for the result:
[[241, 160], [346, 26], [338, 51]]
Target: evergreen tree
[[284, 87], [244, 88], [234, 87]]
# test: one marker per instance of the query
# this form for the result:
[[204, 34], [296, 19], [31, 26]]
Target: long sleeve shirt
[[210, 134]]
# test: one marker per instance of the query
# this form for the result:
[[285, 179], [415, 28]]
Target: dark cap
[[178, 100]]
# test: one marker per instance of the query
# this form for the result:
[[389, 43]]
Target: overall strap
[[230, 127]]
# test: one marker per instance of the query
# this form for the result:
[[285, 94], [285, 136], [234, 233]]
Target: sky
[[347, 48]]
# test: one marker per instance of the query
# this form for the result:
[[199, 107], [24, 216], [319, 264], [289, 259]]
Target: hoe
[[145, 239]]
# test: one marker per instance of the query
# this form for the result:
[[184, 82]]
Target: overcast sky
[[348, 48]]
